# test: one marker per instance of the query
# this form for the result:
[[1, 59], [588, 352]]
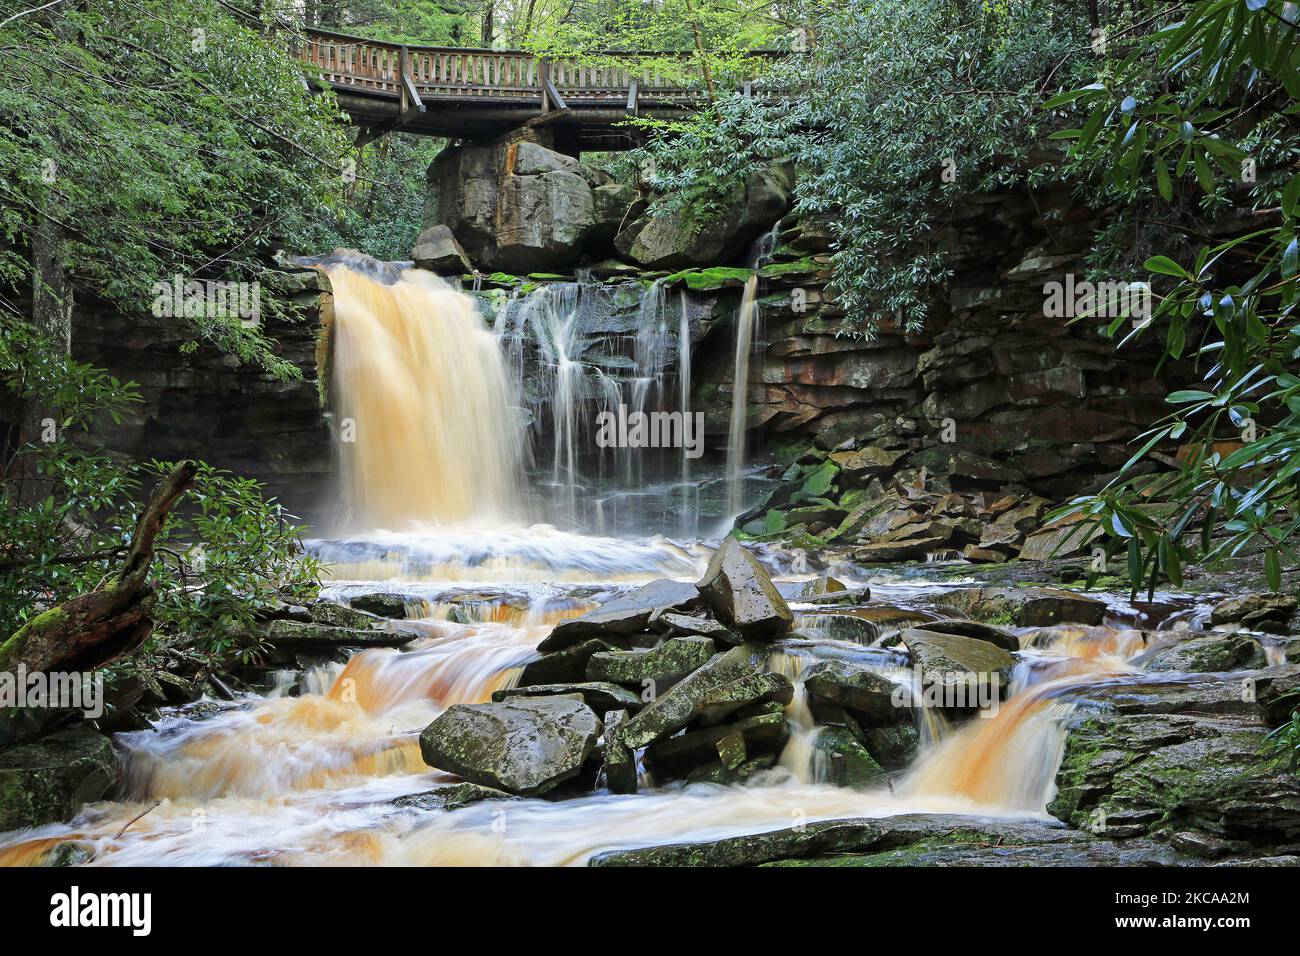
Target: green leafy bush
[[67, 512]]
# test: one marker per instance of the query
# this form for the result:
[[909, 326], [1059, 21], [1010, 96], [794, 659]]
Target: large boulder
[[437, 250], [737, 587], [1208, 654], [839, 758], [1183, 760], [521, 207], [525, 746], [48, 780], [869, 696], [977, 667], [627, 614], [673, 241]]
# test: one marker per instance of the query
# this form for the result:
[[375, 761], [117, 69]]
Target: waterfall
[[746, 340], [746, 319], [424, 428], [688, 494]]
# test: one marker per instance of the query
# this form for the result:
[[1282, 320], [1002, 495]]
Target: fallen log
[[90, 630]]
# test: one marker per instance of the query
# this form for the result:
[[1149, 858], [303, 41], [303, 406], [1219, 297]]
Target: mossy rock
[[49, 780], [711, 279]]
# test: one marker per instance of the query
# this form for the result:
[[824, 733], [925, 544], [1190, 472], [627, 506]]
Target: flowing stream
[[308, 772]]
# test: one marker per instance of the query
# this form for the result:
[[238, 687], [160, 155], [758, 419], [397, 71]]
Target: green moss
[[799, 267], [707, 280]]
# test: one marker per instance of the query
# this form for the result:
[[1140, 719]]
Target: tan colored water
[[423, 417], [311, 779]]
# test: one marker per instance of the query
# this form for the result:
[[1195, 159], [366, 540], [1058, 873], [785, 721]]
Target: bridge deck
[[480, 94]]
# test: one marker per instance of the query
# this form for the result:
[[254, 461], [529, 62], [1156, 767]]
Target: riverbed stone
[[740, 592], [903, 839], [620, 761], [869, 696], [841, 760], [893, 747], [666, 664], [380, 603], [1026, 607], [1260, 612], [627, 614], [753, 689], [600, 696], [1209, 653], [526, 746], [1136, 767], [998, 636], [670, 712], [297, 635], [729, 744], [49, 780], [450, 796], [686, 625], [567, 665], [953, 660]]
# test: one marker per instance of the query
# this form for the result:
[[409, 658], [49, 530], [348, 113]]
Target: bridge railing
[[497, 75]]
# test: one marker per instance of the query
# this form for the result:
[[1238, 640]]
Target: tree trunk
[[92, 629], [52, 318]]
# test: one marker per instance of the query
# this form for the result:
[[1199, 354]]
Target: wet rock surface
[[526, 746], [624, 615], [739, 591], [915, 839], [49, 780], [1163, 760]]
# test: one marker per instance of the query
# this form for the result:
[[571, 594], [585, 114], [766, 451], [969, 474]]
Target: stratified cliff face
[[1049, 402], [204, 404]]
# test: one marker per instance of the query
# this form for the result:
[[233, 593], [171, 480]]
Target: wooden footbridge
[[481, 94]]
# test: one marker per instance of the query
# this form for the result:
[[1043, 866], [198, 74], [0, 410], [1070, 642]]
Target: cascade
[[423, 424]]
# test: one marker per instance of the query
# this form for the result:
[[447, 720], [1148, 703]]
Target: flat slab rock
[[1182, 761], [670, 661], [670, 712], [627, 614], [600, 696], [525, 746], [902, 840]]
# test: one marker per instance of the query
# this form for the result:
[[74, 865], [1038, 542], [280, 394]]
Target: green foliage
[[890, 98], [1224, 92], [1284, 742], [67, 513], [697, 162], [163, 137]]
